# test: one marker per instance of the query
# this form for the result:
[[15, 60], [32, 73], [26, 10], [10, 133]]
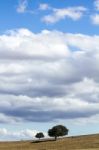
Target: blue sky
[[49, 67], [34, 23]]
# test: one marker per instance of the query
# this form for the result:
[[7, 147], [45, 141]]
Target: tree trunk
[[55, 138]]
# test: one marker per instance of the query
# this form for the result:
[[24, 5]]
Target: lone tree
[[39, 135], [57, 131]]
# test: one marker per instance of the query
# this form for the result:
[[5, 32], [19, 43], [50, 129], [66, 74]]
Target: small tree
[[39, 135], [57, 131]]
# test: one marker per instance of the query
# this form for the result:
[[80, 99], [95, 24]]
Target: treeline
[[55, 132]]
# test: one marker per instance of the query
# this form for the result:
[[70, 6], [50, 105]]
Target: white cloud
[[22, 6], [44, 6], [57, 14], [38, 47], [75, 13], [3, 132], [96, 3], [95, 19], [18, 135], [48, 76], [89, 120]]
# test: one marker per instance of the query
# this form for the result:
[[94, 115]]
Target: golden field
[[86, 142]]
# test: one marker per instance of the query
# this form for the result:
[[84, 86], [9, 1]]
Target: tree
[[57, 131], [39, 135]]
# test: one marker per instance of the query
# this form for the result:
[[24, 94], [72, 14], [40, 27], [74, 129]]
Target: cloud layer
[[48, 76]]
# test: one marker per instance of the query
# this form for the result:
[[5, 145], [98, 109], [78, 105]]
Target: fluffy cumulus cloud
[[75, 13], [48, 76]]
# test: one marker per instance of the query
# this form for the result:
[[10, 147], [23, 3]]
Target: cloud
[[96, 4], [43, 6], [21, 8], [95, 16], [18, 135], [19, 47], [95, 19], [56, 14], [48, 76], [75, 13]]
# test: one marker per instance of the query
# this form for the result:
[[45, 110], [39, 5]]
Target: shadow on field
[[42, 149], [40, 141]]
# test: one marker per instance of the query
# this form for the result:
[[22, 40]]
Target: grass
[[87, 142]]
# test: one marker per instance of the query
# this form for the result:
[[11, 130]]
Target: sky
[[49, 67]]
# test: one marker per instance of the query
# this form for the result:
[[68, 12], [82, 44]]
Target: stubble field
[[87, 142]]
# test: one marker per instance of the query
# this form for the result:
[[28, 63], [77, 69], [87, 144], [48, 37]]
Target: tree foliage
[[57, 131], [39, 135]]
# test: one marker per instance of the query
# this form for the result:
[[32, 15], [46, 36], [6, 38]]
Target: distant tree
[[39, 135], [57, 131]]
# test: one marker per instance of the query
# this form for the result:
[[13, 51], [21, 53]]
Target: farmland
[[85, 142]]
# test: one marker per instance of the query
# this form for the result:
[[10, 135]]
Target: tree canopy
[[39, 135], [57, 131]]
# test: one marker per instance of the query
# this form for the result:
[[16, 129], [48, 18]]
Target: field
[[86, 142]]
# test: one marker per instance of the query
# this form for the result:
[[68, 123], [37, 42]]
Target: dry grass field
[[87, 142]]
